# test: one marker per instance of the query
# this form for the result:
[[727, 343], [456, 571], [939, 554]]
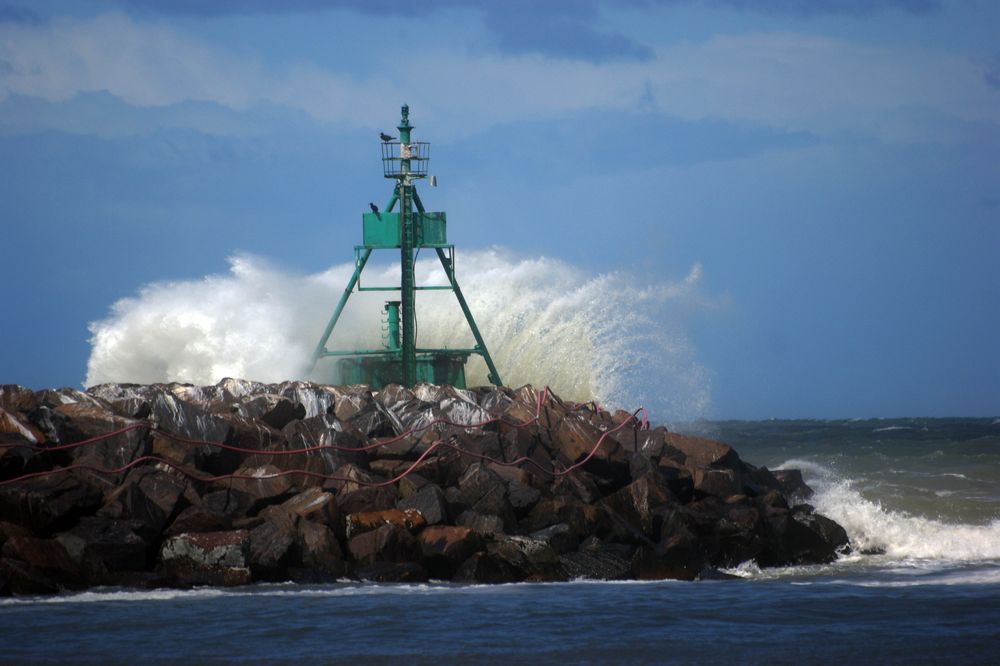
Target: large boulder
[[388, 543], [534, 559], [32, 565], [483, 491], [80, 422], [430, 502], [49, 503], [640, 501], [319, 553], [207, 558], [366, 521], [108, 545], [445, 547], [151, 496]]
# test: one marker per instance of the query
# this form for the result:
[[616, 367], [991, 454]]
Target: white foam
[[901, 536], [94, 596], [605, 337]]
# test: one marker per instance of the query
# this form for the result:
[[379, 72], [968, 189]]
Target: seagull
[[373, 207], [385, 137]]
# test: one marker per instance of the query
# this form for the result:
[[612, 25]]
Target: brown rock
[[388, 543], [46, 556], [701, 452], [445, 547], [559, 536], [359, 523], [84, 421], [198, 518], [115, 544], [430, 502], [15, 398], [350, 478], [596, 561], [8, 530], [149, 495], [484, 524], [792, 484], [49, 503], [319, 549], [486, 568], [270, 549], [581, 518], [640, 501], [483, 491], [575, 439], [274, 410], [267, 486], [718, 482], [366, 499], [676, 557], [534, 559], [14, 423], [411, 484], [316, 505]]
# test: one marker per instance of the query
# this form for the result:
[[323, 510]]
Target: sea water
[[920, 499]]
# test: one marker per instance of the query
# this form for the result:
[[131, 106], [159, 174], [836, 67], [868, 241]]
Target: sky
[[827, 170]]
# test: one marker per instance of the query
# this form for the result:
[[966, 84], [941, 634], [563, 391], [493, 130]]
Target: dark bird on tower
[[385, 137], [373, 207]]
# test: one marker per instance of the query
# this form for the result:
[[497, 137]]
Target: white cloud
[[788, 81], [144, 64], [820, 85]]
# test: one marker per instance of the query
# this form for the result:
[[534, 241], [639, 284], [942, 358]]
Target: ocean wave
[[901, 536]]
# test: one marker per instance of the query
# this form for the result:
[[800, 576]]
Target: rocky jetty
[[178, 485]]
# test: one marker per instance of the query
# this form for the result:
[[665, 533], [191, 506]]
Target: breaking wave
[[603, 337], [897, 534]]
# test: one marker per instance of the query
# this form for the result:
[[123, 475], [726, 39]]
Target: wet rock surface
[[179, 485]]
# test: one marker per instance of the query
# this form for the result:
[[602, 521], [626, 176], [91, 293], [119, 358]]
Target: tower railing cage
[[399, 159]]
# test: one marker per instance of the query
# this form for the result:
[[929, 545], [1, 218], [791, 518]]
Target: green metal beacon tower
[[407, 230]]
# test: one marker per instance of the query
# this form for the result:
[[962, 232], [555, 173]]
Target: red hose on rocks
[[644, 424]]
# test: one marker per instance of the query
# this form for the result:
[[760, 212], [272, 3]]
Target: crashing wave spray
[[898, 534], [604, 337]]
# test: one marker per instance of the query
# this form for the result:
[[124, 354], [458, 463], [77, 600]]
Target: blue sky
[[831, 167]]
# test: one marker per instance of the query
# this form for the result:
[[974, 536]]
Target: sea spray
[[897, 534], [603, 337]]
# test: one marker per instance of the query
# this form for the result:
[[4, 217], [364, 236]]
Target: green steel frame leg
[[392, 200], [359, 266], [407, 281], [416, 199], [494, 376], [406, 290]]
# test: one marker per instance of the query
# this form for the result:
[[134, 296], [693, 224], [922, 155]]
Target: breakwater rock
[[179, 485]]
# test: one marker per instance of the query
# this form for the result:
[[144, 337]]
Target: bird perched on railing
[[373, 207], [385, 137]]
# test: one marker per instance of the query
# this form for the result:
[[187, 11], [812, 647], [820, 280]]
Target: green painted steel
[[385, 230], [377, 371], [406, 228], [449, 268], [359, 265], [392, 325], [408, 279]]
